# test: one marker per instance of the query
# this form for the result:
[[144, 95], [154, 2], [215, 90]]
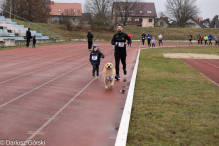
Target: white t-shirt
[[160, 37], [153, 41]]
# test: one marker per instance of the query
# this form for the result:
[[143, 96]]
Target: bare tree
[[161, 14], [69, 19], [124, 9], [100, 10], [181, 10]]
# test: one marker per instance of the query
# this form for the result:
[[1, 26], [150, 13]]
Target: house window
[[57, 18], [130, 11], [150, 20], [74, 18], [140, 19], [132, 19], [59, 10], [140, 11], [161, 23], [149, 12]]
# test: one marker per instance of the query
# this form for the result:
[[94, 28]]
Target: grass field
[[174, 105], [81, 32]]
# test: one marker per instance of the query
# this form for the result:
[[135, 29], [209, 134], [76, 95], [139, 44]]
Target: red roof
[[59, 8]]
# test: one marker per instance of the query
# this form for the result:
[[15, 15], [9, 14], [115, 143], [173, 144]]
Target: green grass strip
[[174, 104]]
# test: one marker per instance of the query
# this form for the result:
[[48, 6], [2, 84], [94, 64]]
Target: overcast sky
[[209, 8]]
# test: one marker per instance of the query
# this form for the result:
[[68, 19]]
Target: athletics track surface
[[48, 93]]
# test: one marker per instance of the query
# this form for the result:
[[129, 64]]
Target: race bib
[[121, 44], [94, 57], [109, 78]]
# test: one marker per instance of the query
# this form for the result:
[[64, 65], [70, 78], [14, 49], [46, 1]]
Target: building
[[193, 23], [142, 15], [162, 22], [206, 22], [60, 10]]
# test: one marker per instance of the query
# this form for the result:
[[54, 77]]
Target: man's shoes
[[117, 77], [125, 72], [97, 74]]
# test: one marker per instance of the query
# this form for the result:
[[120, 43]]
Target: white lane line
[[203, 75], [43, 84], [60, 111], [42, 69], [209, 63]]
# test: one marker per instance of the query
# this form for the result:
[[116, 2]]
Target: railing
[[52, 34]]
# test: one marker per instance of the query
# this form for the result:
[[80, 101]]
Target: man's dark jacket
[[28, 35], [90, 36]]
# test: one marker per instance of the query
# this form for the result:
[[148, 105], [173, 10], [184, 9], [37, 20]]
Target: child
[[153, 42], [34, 42], [95, 57]]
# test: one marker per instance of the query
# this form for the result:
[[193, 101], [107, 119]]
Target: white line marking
[[209, 63], [44, 84]]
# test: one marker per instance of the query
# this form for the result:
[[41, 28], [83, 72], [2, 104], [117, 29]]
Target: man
[[190, 39], [149, 36], [130, 36], [28, 37], [90, 40], [206, 39], [119, 40], [143, 38], [160, 37], [210, 37], [199, 38], [202, 38]]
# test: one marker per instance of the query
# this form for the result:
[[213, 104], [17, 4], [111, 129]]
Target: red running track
[[48, 93], [208, 67]]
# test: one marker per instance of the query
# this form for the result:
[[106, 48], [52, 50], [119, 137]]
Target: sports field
[[48, 94]]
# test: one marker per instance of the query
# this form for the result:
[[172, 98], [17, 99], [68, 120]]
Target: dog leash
[[112, 53]]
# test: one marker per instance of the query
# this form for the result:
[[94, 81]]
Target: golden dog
[[108, 75]]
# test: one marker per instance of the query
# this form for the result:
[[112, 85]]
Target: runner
[[199, 38], [130, 36], [202, 38], [206, 39], [210, 37], [143, 38], [190, 39], [160, 37], [149, 36], [119, 41]]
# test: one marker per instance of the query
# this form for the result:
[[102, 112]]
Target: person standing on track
[[143, 38], [190, 39], [153, 42], [90, 40], [160, 37], [149, 36], [28, 37], [210, 37], [130, 36], [119, 40]]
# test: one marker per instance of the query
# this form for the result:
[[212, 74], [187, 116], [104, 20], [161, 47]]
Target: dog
[[108, 75]]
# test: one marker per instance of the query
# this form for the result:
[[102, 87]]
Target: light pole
[[10, 8]]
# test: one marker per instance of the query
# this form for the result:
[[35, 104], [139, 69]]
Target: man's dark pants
[[90, 44], [120, 54], [28, 42]]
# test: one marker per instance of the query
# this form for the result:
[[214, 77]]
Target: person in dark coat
[[90, 39], [95, 57], [119, 40], [28, 37]]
